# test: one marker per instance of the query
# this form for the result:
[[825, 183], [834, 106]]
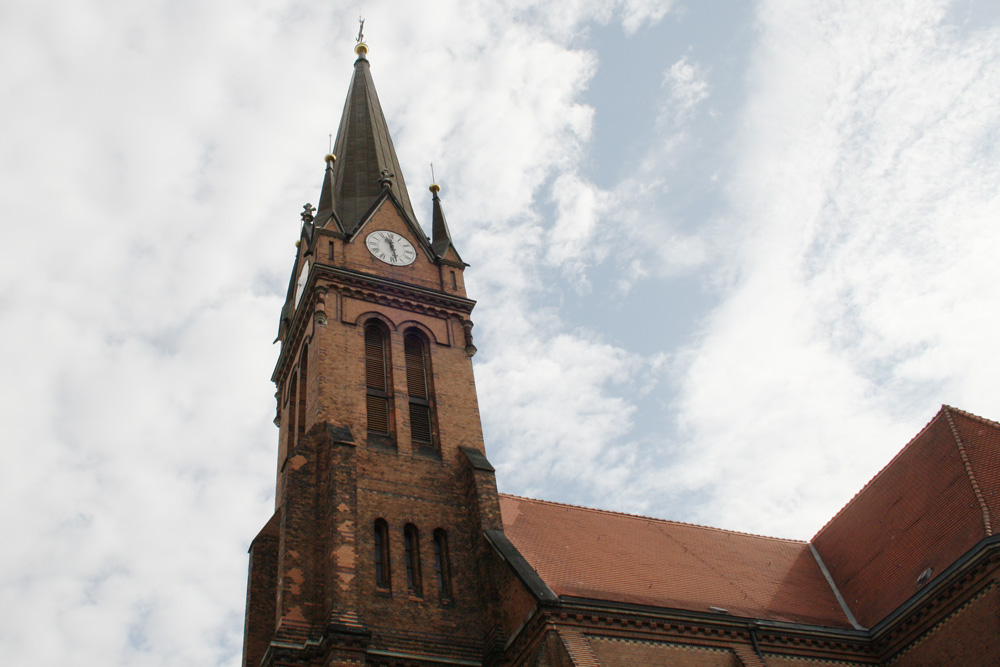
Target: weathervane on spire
[[361, 48]]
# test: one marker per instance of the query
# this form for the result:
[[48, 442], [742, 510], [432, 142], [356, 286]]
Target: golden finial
[[435, 188], [330, 157]]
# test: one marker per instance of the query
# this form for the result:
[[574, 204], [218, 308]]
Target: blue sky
[[729, 257]]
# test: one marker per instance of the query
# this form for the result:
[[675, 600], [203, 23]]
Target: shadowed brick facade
[[390, 546]]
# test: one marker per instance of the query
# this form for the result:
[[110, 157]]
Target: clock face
[[390, 248], [303, 277]]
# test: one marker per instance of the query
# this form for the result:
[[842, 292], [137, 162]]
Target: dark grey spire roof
[[326, 199], [441, 236], [364, 150]]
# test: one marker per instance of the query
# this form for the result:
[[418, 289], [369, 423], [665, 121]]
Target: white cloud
[[687, 87], [866, 288], [564, 412]]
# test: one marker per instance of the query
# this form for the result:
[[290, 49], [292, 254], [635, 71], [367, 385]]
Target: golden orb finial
[[330, 157], [435, 188]]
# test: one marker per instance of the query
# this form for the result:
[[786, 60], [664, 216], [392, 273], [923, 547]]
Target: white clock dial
[[390, 248]]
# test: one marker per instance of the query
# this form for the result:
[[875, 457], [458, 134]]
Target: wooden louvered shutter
[[375, 358], [416, 371], [416, 386], [293, 407], [376, 381], [300, 423]]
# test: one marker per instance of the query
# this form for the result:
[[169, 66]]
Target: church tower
[[375, 553]]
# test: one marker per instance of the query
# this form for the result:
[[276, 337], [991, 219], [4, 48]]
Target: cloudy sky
[[729, 257]]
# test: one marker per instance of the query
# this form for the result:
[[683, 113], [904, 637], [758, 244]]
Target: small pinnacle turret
[[326, 201], [440, 234]]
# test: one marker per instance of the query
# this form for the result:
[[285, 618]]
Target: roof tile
[[603, 555], [920, 512]]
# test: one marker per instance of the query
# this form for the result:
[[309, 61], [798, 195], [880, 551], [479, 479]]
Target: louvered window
[[417, 386], [382, 579], [411, 539], [377, 379], [300, 421], [442, 566], [293, 410]]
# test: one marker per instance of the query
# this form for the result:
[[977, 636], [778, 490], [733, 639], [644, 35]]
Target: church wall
[[967, 637], [614, 652], [795, 661], [515, 603], [259, 621], [429, 494]]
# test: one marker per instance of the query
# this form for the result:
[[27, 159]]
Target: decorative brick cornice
[[365, 287], [407, 291]]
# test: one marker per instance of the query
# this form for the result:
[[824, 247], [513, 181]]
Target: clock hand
[[392, 246]]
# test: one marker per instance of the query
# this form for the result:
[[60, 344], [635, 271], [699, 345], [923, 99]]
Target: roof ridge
[[970, 473], [937, 415], [652, 518], [965, 413]]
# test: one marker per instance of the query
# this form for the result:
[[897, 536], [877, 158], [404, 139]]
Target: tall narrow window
[[382, 579], [293, 410], [300, 421], [421, 415], [442, 566], [377, 379], [411, 538]]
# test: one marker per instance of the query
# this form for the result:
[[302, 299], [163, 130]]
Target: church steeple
[[365, 156], [381, 470]]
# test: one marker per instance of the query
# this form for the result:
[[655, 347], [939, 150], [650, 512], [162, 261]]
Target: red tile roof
[[603, 555], [932, 503]]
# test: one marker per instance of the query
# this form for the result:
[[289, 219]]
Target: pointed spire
[[326, 200], [440, 235], [366, 159]]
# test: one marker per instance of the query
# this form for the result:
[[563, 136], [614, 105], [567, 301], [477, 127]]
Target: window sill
[[426, 452]]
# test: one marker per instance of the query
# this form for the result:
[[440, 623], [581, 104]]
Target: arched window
[[377, 379], [411, 538], [418, 387], [382, 577], [442, 565]]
